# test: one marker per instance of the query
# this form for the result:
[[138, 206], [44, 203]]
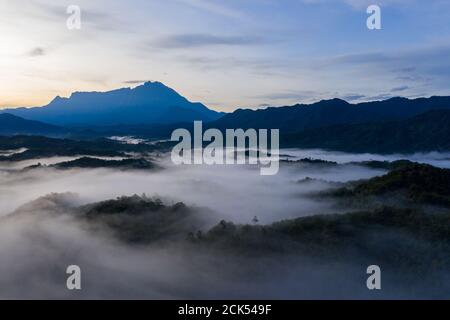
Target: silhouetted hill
[[152, 102], [140, 219], [425, 132], [13, 125], [407, 185], [91, 163], [330, 112], [421, 183]]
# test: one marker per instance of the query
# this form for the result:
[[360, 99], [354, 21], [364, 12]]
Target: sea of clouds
[[38, 243]]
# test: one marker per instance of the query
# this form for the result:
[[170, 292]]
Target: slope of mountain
[[149, 103], [13, 125], [420, 183], [426, 132], [330, 112]]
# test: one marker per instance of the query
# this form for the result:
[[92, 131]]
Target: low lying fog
[[437, 159], [235, 193], [35, 249]]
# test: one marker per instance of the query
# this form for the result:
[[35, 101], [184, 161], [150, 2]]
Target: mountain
[[426, 132], [329, 112], [13, 125], [150, 103]]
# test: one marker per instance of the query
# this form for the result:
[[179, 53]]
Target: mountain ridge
[[299, 117], [152, 102], [14, 125]]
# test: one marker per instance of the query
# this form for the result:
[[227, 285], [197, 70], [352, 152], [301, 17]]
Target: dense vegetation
[[87, 162], [413, 242], [40, 147], [417, 237], [426, 132], [140, 219], [418, 184]]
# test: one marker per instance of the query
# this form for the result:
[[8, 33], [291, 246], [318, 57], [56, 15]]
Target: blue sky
[[226, 54]]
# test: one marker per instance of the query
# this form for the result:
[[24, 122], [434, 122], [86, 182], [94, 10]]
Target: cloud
[[291, 95], [264, 106], [353, 97], [416, 56], [413, 56], [398, 89], [203, 40], [96, 19], [380, 97], [431, 66], [361, 4], [213, 7], [37, 52], [256, 66], [405, 69], [135, 81], [42, 238]]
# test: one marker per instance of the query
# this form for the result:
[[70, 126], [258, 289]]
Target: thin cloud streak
[[213, 7], [205, 40]]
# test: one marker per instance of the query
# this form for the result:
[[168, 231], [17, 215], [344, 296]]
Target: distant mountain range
[[150, 103], [330, 112], [13, 125], [153, 110]]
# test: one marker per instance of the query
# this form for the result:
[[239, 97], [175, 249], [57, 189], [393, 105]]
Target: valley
[[313, 227]]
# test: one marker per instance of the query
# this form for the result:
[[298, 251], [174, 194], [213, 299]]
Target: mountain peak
[[332, 102], [58, 99], [398, 99], [154, 84], [150, 103]]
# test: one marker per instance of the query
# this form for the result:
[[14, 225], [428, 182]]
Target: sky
[[227, 54]]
